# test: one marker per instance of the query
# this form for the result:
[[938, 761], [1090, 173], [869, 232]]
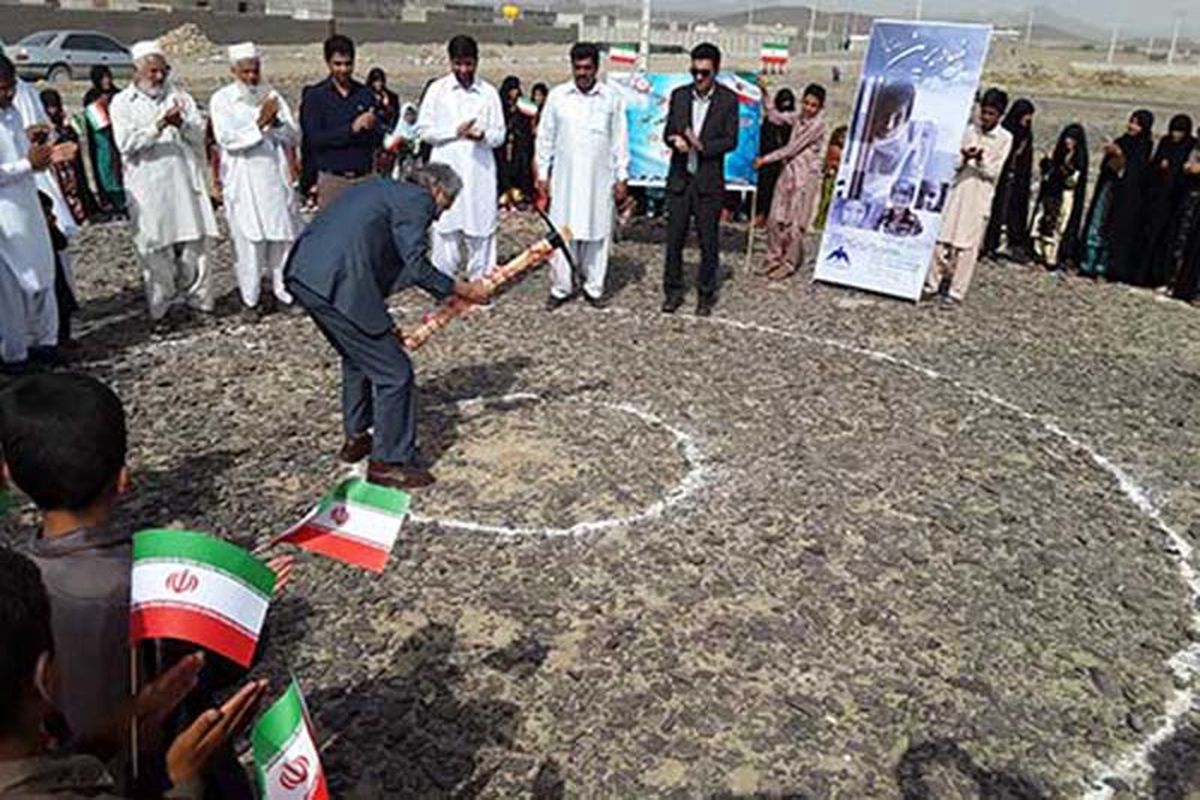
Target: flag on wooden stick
[[198, 588]]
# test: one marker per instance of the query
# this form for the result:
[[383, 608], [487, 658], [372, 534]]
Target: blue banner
[[647, 98], [918, 86]]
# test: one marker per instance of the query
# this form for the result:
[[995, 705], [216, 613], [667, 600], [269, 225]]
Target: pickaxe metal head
[[558, 241]]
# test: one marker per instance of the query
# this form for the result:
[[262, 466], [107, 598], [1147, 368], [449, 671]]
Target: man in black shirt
[[341, 129]]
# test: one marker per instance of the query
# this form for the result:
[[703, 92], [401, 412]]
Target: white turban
[[242, 52], [142, 49]]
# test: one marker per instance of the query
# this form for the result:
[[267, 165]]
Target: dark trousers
[[377, 380], [682, 207]]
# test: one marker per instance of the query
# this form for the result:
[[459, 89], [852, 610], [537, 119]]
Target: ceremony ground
[[823, 544]]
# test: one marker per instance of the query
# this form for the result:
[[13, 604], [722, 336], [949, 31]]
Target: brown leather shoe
[[398, 476], [355, 448]]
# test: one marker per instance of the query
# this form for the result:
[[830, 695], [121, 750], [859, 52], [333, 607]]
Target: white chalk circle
[[686, 445]]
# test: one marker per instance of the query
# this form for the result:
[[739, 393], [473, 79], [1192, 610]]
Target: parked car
[[59, 56]]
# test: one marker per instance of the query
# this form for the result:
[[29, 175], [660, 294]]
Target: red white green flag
[[775, 53], [527, 107], [97, 113], [357, 523], [285, 751], [198, 588], [623, 54]]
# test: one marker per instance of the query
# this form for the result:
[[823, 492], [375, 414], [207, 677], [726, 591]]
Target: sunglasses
[[701, 73]]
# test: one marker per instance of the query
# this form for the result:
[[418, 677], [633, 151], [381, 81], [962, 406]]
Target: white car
[[59, 56]]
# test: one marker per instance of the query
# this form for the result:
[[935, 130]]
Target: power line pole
[[812, 27], [1174, 39], [644, 50], [917, 15], [1112, 43], [1029, 28]]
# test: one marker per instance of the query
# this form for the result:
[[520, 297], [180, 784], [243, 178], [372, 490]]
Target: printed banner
[[198, 588], [647, 97], [285, 753], [914, 101]]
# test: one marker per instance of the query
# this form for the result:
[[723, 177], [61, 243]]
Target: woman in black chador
[[1008, 228], [1164, 198], [1060, 204], [1112, 235]]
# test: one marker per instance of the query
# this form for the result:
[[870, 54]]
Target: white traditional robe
[[26, 254], [583, 151], [255, 173], [163, 170], [446, 106], [29, 103], [969, 204]]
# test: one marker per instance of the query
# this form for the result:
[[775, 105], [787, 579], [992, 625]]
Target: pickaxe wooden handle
[[496, 277]]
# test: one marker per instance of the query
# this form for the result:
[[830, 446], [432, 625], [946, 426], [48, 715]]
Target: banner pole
[[753, 227]]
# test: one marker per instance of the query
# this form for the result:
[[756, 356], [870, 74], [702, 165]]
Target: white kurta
[[163, 170], [255, 174], [29, 103], [970, 202], [25, 249], [446, 106], [583, 149]]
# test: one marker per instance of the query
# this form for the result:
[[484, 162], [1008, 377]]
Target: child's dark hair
[[24, 630], [63, 438], [817, 91]]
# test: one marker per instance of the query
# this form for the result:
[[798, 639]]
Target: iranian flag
[[357, 523], [774, 53], [285, 753], [623, 54], [527, 107], [97, 113], [195, 587]]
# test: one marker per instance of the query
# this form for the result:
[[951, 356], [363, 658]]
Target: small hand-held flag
[[623, 55], [285, 752], [357, 522], [198, 588]]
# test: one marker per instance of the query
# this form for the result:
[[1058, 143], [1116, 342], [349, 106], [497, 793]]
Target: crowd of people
[[68, 705], [147, 151]]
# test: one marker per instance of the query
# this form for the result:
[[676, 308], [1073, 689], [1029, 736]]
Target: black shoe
[[595, 302], [555, 303], [672, 304], [704, 308]]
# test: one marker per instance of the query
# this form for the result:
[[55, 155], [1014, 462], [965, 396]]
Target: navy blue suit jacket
[[373, 240]]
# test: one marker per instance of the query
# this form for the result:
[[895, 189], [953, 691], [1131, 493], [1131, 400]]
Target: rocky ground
[[876, 583], [840, 575]]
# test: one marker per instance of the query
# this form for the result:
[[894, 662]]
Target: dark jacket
[[719, 136], [372, 241], [325, 120]]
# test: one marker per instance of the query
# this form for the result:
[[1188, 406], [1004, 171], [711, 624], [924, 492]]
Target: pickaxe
[[494, 279]]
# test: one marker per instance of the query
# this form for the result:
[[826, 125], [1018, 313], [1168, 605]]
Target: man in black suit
[[373, 240], [702, 126]]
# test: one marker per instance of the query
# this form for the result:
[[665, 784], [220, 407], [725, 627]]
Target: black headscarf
[[514, 158], [506, 86], [98, 74]]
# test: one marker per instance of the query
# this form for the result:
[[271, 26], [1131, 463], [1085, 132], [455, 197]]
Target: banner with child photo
[[913, 104]]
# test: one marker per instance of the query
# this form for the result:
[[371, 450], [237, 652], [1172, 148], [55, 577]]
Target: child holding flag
[[64, 442]]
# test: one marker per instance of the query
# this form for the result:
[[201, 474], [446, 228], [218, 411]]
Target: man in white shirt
[[583, 167], [160, 134], [254, 127], [985, 147], [462, 120], [28, 311]]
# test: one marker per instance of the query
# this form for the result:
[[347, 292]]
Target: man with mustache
[[160, 134], [254, 127]]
